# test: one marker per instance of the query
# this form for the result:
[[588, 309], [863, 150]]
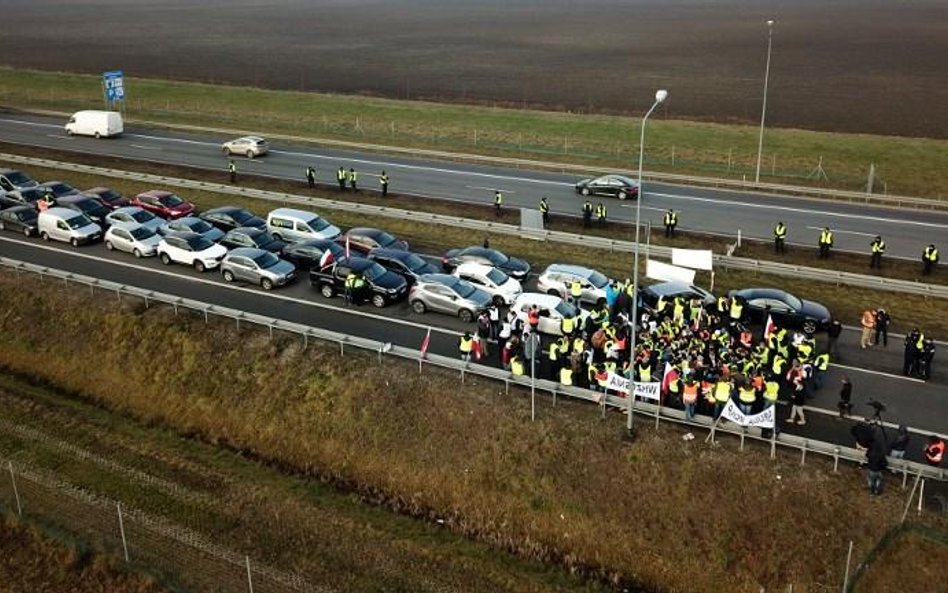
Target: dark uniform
[[587, 213], [878, 248], [601, 214], [353, 177], [341, 178], [910, 361], [383, 181], [925, 357], [671, 221], [232, 169], [545, 210], [882, 327], [826, 242], [780, 235], [498, 202], [311, 176], [929, 259]]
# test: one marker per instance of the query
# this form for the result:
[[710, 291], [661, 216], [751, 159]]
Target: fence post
[[849, 558], [118, 508], [921, 495], [803, 454], [249, 577], [16, 493]]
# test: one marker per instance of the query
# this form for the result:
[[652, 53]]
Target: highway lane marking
[[880, 373], [59, 136], [221, 284], [835, 230], [143, 147], [643, 207]]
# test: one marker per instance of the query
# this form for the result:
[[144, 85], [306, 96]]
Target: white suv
[[552, 311], [501, 287], [191, 249], [556, 279]]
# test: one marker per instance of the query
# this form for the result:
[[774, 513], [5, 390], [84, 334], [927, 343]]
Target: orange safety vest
[[868, 318], [690, 393], [934, 452], [533, 317]]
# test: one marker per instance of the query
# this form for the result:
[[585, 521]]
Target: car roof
[[98, 189], [758, 293], [223, 209], [21, 209], [672, 287], [187, 220], [61, 212], [293, 212], [72, 199], [254, 138], [582, 271], [445, 279], [129, 210], [541, 299], [132, 226], [156, 193], [474, 267], [186, 235], [250, 252], [8, 171], [248, 230], [356, 263], [321, 243], [365, 230]]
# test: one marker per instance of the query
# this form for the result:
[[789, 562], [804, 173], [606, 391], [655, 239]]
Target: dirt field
[[850, 65]]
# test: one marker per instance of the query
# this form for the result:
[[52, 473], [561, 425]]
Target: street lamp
[[763, 111], [660, 97]]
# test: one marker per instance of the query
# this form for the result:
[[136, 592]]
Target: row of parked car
[[271, 251]]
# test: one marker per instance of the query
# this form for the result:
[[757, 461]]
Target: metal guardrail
[[641, 409], [486, 226]]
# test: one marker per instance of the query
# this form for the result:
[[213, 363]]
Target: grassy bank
[[906, 166], [846, 303], [556, 491], [911, 562]]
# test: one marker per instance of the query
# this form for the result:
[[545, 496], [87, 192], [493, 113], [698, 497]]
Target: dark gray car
[[257, 266]]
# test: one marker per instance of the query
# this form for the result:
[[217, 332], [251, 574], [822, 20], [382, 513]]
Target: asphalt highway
[[920, 405], [906, 232]]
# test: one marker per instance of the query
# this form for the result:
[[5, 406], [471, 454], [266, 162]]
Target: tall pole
[[763, 111], [660, 96]]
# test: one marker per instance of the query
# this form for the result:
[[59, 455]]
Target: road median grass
[[905, 166], [847, 303], [662, 513]]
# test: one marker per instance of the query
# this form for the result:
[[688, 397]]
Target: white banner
[[644, 390], [698, 259], [763, 419], [669, 273]]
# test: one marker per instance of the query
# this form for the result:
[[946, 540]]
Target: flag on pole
[[347, 246], [770, 328], [326, 259], [425, 342], [667, 377]]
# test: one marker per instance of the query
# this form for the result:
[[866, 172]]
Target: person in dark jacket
[[833, 332], [882, 327], [845, 397], [900, 444], [876, 462]]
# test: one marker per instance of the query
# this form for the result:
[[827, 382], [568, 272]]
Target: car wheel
[[27, 231], [277, 237], [584, 191], [137, 253], [809, 326], [378, 301], [228, 276], [623, 195], [165, 259], [198, 265], [74, 242], [267, 284], [44, 235], [466, 316], [69, 132], [225, 150], [499, 301], [96, 135], [249, 154], [418, 307], [109, 246], [327, 291]]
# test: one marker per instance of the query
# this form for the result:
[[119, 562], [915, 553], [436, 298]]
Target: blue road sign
[[114, 83]]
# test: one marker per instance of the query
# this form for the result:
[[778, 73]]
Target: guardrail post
[[305, 339], [249, 578], [803, 453], [904, 475], [462, 372], [237, 319], [835, 460], [270, 326], [743, 432], [92, 288], [921, 496], [342, 348], [118, 294], [773, 440], [118, 508], [16, 493]]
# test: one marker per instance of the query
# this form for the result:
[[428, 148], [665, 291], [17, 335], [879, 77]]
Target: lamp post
[[660, 96], [763, 111]]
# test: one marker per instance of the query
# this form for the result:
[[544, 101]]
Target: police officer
[[929, 259], [925, 357], [878, 248], [601, 214], [545, 210], [498, 202], [383, 181], [882, 327], [353, 178], [780, 234], [910, 360], [232, 169], [341, 178], [826, 242], [350, 288], [587, 213], [671, 221], [311, 176]]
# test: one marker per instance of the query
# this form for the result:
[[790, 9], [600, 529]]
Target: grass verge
[[907, 166], [911, 562], [666, 514], [846, 303]]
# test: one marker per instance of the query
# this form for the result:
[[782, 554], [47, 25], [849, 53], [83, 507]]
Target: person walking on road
[[671, 221], [780, 235], [311, 177], [929, 259], [878, 248], [826, 242], [341, 178], [465, 346], [798, 400], [868, 323], [882, 327], [545, 210], [353, 178], [601, 214], [832, 333], [232, 169], [845, 404], [383, 182], [498, 202], [587, 213]]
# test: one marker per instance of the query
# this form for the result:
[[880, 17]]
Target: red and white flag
[[668, 376], [326, 259], [347, 246], [425, 342], [770, 328]]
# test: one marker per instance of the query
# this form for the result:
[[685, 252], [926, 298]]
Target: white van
[[68, 226], [101, 124], [291, 225]]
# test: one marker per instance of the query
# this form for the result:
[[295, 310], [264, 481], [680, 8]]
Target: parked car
[[447, 294], [290, 224], [91, 207], [21, 197], [552, 309], [786, 309], [365, 239], [484, 255], [409, 265], [164, 204], [384, 287], [231, 217], [306, 255], [108, 196], [134, 216], [249, 146], [190, 249], [257, 266], [191, 224], [138, 240], [12, 179], [20, 219], [58, 189], [650, 294], [501, 287], [251, 237], [557, 278], [68, 226], [614, 186]]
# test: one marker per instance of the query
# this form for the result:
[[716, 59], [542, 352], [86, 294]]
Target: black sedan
[[19, 219], [484, 255], [614, 186], [108, 196], [785, 309], [58, 189], [21, 197], [307, 255], [409, 265], [670, 290], [231, 217], [91, 207], [365, 239], [251, 237]]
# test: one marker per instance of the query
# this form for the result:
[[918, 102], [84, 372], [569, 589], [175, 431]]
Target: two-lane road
[[715, 211]]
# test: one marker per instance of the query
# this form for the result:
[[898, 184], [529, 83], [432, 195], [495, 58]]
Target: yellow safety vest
[[516, 366], [579, 345], [566, 376], [567, 325], [467, 345], [771, 391], [722, 392], [746, 395], [780, 231], [645, 373], [736, 309], [878, 246], [930, 254], [826, 237], [554, 351]]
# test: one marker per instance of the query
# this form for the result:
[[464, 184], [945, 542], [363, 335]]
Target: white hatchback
[[138, 240], [191, 249], [501, 287]]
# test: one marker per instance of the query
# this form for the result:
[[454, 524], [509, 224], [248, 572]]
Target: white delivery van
[[101, 124], [291, 225], [68, 226]]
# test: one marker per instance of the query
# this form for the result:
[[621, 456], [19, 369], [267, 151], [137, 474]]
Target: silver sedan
[[249, 146]]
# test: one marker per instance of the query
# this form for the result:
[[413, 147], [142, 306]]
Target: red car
[[163, 203], [107, 196]]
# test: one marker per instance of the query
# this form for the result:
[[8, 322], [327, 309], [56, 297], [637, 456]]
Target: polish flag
[[347, 247], [668, 376], [326, 259], [425, 342], [770, 328]]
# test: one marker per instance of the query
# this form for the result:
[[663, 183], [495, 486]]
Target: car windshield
[[793, 301], [317, 224], [200, 226], [77, 222], [241, 215], [28, 216], [565, 309], [60, 188], [18, 178], [109, 195], [598, 280], [413, 262], [142, 216], [262, 239], [463, 289], [141, 233], [497, 277], [30, 195], [170, 201], [497, 258], [88, 205], [384, 239], [266, 260], [199, 243], [373, 272]]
